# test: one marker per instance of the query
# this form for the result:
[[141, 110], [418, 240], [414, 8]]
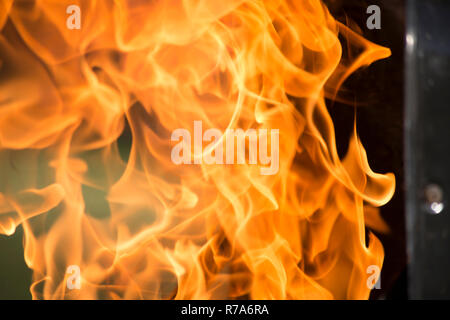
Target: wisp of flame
[[85, 122]]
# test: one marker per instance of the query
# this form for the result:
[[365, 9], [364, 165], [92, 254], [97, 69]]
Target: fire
[[86, 118]]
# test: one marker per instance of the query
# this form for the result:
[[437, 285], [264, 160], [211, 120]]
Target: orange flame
[[139, 226]]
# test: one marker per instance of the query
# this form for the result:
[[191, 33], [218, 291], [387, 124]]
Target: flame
[[139, 226]]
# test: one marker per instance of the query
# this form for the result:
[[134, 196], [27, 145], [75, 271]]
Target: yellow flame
[[145, 227]]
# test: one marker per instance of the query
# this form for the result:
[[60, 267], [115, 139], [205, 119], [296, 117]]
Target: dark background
[[378, 93]]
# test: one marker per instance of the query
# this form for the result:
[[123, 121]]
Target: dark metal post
[[427, 158]]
